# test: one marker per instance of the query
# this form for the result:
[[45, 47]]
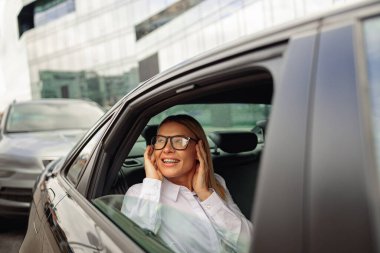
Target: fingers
[[200, 177], [201, 154], [150, 167], [148, 152], [153, 159]]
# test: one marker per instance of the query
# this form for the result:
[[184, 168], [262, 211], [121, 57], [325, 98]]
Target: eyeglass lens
[[177, 142]]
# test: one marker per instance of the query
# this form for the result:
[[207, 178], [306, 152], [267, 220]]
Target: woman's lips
[[170, 161]]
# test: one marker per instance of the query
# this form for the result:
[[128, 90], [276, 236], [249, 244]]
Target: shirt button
[[208, 206]]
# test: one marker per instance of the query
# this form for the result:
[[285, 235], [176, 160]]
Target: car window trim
[[81, 144], [171, 97]]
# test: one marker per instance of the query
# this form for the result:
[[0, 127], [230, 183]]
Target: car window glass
[[74, 171], [372, 47], [111, 205]]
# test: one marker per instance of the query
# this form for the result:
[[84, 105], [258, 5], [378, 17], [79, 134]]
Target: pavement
[[12, 233]]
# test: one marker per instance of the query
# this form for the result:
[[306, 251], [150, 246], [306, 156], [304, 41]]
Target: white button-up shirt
[[183, 222]]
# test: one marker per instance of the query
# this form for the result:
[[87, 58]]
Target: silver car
[[32, 134]]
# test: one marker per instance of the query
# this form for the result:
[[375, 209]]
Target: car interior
[[234, 118]]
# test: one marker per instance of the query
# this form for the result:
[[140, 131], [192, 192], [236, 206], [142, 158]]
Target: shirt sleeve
[[231, 225], [141, 204]]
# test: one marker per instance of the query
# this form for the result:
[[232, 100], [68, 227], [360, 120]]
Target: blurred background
[[101, 49]]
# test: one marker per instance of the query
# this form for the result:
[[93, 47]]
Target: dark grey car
[[32, 134], [311, 184]]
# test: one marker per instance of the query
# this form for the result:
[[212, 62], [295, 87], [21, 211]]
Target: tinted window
[[52, 116], [80, 162], [372, 46]]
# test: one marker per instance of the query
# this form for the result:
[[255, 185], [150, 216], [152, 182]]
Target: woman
[[181, 199]]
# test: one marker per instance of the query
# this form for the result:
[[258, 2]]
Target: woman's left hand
[[199, 179]]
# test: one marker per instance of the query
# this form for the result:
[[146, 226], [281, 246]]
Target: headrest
[[149, 132], [262, 123], [234, 142]]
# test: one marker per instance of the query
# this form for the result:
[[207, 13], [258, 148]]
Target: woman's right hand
[[151, 170]]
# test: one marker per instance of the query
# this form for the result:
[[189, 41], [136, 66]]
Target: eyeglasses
[[178, 142]]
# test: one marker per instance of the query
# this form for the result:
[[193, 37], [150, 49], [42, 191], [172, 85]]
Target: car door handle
[[51, 194]]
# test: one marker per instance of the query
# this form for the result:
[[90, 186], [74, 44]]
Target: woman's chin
[[169, 172]]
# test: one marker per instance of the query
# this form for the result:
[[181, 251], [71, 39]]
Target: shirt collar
[[172, 190]]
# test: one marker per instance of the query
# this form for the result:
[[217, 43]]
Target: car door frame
[[175, 91], [137, 105], [313, 232]]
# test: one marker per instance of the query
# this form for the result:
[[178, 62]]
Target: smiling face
[[178, 166]]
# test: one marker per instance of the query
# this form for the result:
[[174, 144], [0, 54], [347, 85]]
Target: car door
[[68, 222], [67, 227], [343, 188], [52, 192], [318, 191], [62, 223]]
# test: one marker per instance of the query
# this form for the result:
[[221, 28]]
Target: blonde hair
[[195, 127]]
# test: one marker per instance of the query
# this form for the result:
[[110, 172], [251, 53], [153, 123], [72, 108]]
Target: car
[[311, 184], [34, 133]]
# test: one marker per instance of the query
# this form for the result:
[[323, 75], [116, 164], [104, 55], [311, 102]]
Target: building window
[[65, 91], [148, 67], [49, 10], [163, 17]]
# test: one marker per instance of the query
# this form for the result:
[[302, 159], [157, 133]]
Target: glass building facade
[[101, 49]]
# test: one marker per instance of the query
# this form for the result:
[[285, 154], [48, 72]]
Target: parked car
[[32, 134], [310, 185]]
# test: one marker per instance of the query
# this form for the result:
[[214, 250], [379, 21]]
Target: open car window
[[227, 117], [229, 110], [213, 117]]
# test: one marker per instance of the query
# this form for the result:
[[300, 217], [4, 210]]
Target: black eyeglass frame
[[171, 141]]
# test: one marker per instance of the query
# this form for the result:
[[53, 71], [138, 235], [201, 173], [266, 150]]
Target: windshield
[[52, 116]]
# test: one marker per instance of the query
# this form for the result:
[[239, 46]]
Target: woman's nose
[[168, 147]]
